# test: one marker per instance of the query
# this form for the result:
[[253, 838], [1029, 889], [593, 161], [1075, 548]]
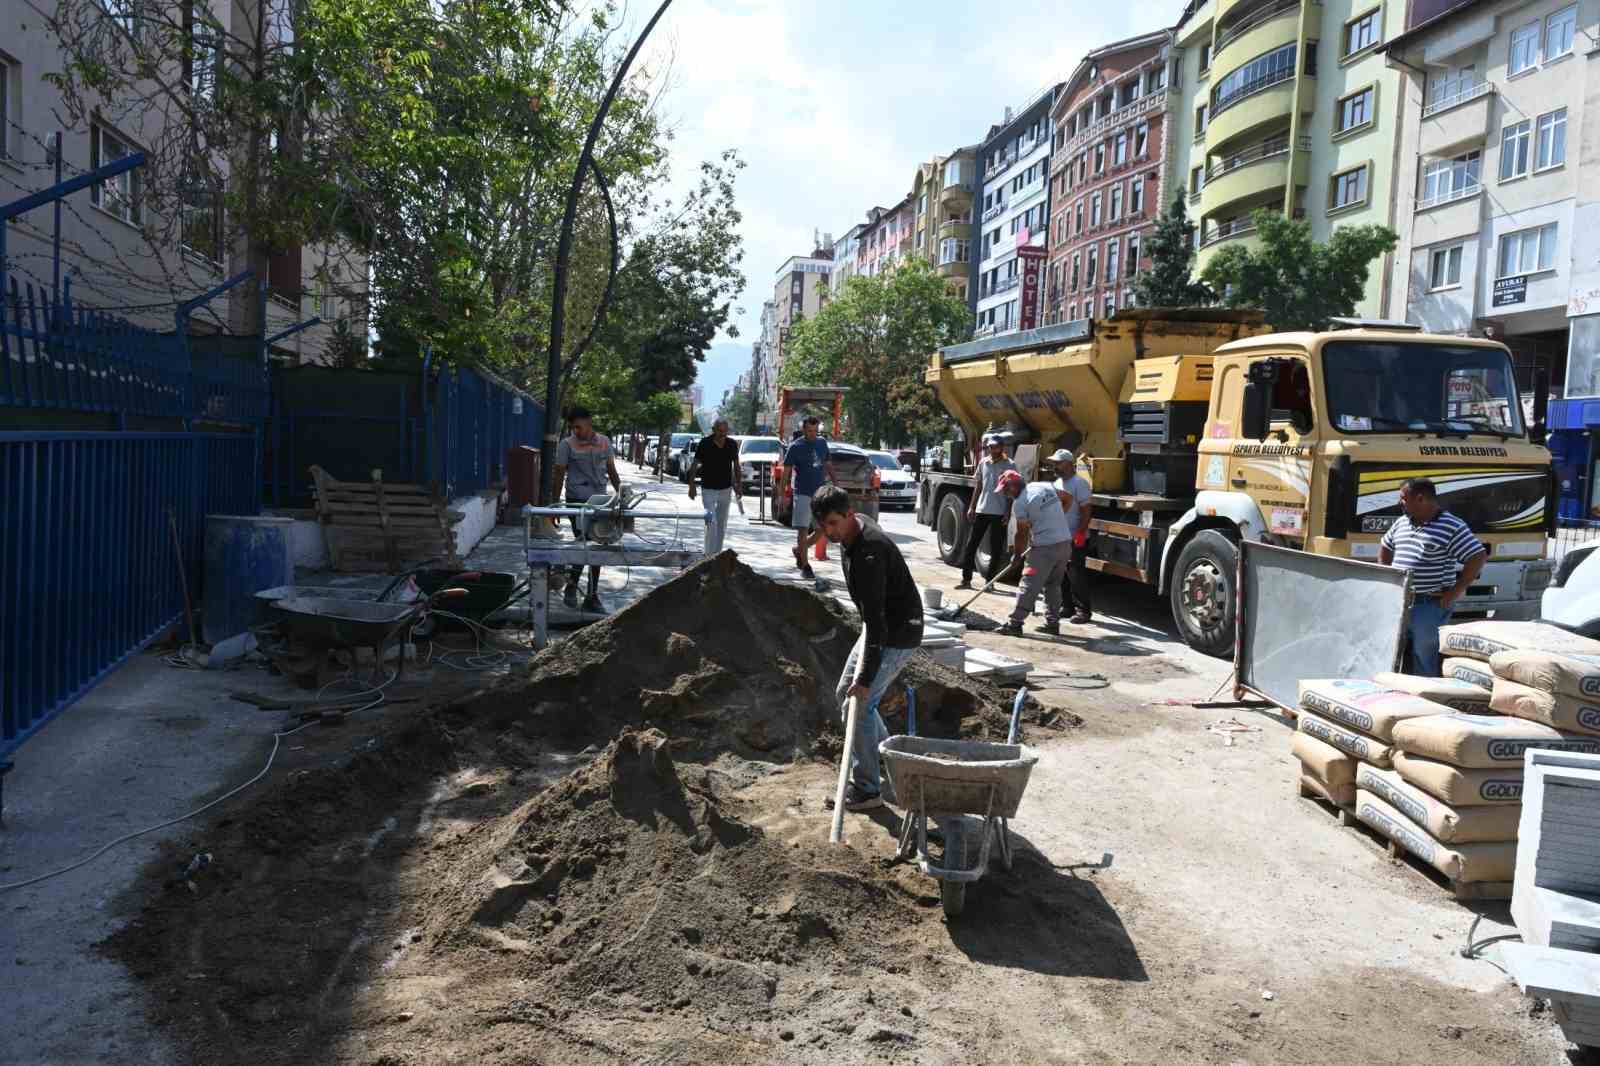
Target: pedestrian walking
[[716, 470], [1076, 503], [585, 462], [806, 463], [1042, 534], [891, 631], [987, 510], [1444, 558]]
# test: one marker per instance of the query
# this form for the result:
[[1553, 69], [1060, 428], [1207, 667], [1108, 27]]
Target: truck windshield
[[1384, 386]]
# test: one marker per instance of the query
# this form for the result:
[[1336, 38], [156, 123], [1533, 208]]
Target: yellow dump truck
[[1202, 429]]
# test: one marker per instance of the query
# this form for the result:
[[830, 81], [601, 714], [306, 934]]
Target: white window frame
[[1553, 123], [1141, 140], [1446, 180], [1136, 195], [1113, 259], [1133, 260], [120, 197], [1119, 150], [1544, 256], [1526, 37], [123, 13], [1091, 273], [1517, 140], [1109, 304], [1115, 211], [1197, 180], [1450, 256], [1095, 215], [1566, 22]]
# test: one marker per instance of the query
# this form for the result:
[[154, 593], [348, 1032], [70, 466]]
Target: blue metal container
[[244, 554]]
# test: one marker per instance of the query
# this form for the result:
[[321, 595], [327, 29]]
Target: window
[[922, 205], [1072, 312], [123, 13], [1100, 159], [1260, 73], [1113, 254], [1205, 57], [1311, 58], [1451, 86], [1514, 144], [1527, 251], [121, 195], [1079, 226], [7, 151], [1088, 307], [1200, 120], [1119, 153], [1361, 33], [1116, 201], [1450, 179], [1558, 31], [1197, 180], [1127, 294], [1444, 269], [1141, 140], [1524, 49], [1133, 262], [1128, 92], [1076, 263], [1136, 196], [1156, 80], [952, 173], [1110, 304], [1355, 110], [921, 239], [1551, 150], [1349, 188], [1083, 166], [1094, 209], [202, 224], [1092, 274]]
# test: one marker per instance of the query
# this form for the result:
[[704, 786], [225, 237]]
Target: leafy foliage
[[1298, 282], [1169, 281], [874, 338], [739, 410]]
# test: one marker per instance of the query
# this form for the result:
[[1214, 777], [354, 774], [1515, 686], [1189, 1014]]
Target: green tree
[[1169, 282], [659, 413], [874, 337], [738, 410], [1298, 282]]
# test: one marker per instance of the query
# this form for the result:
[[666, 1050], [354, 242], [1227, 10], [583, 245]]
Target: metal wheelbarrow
[[951, 780], [326, 622]]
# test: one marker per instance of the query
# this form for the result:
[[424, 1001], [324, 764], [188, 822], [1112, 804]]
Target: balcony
[[955, 268], [1264, 105], [958, 226], [1270, 12], [1152, 104], [957, 192], [992, 213], [1458, 213], [1259, 173], [1457, 118]]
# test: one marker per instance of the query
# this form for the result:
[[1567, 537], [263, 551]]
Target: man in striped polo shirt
[[1444, 559]]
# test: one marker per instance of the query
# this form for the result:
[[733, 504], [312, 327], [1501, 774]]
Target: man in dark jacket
[[891, 630]]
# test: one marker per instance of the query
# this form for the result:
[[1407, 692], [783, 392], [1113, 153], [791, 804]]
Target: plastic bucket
[[932, 598]]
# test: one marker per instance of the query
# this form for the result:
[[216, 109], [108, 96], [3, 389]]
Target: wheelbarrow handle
[[1016, 714]]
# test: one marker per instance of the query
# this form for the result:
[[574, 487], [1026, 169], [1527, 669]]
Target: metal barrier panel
[[88, 567], [1305, 617], [1574, 533]]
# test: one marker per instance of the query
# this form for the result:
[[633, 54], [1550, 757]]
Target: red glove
[[1081, 537]]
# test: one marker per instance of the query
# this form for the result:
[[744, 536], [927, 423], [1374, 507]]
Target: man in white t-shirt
[[987, 510], [1076, 496]]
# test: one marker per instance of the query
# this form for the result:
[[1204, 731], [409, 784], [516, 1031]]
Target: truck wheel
[[950, 527], [1203, 603]]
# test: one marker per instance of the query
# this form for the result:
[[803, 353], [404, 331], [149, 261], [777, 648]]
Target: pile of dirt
[[722, 658]]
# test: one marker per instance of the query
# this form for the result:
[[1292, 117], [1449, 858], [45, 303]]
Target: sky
[[833, 103]]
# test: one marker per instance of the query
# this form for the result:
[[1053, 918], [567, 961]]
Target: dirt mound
[[724, 659], [626, 881]]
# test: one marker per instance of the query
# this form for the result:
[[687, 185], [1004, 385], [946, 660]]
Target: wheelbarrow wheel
[[953, 894]]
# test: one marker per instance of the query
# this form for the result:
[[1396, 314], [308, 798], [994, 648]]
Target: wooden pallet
[[1308, 788], [383, 526], [1466, 891]]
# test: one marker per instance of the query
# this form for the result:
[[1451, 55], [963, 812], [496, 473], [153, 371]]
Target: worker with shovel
[[891, 631], [1044, 537]]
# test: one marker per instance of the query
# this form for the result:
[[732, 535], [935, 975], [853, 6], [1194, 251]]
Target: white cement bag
[[1462, 788], [1329, 765], [1484, 740], [1480, 640], [1465, 863], [1472, 671], [1364, 706], [1577, 676], [1446, 691], [1561, 712], [1446, 824], [1346, 739], [1338, 795]]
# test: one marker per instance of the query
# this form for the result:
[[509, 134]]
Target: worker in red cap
[[1044, 537]]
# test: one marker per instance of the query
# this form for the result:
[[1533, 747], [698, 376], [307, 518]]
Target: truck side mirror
[[1537, 433], [1253, 417]]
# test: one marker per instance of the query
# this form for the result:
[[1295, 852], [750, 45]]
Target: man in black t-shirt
[[716, 465]]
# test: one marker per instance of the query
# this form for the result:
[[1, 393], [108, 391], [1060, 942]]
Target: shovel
[[951, 613]]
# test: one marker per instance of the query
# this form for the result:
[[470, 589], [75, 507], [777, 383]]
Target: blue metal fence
[[470, 421], [89, 568]]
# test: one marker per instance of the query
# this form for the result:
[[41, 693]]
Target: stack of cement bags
[[1344, 725], [1454, 792]]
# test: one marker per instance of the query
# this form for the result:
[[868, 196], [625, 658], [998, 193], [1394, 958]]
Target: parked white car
[[1573, 599], [896, 488], [757, 457]]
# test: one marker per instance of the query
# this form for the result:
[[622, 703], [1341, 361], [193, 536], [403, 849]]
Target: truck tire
[[950, 528], [1203, 599]]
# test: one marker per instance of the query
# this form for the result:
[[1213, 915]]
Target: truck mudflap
[[1509, 589]]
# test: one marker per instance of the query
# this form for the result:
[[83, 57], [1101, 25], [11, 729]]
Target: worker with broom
[[891, 631], [1044, 544]]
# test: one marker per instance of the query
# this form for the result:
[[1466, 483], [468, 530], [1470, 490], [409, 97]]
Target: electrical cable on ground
[[1474, 950]]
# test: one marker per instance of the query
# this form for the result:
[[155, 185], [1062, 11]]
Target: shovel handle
[[836, 833]]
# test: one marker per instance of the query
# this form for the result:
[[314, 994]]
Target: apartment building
[[886, 237], [802, 285], [845, 251], [120, 253], [1493, 188], [1012, 225], [942, 194], [1289, 105], [1107, 175]]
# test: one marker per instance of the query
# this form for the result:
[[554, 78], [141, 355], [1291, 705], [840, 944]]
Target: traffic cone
[[821, 549]]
